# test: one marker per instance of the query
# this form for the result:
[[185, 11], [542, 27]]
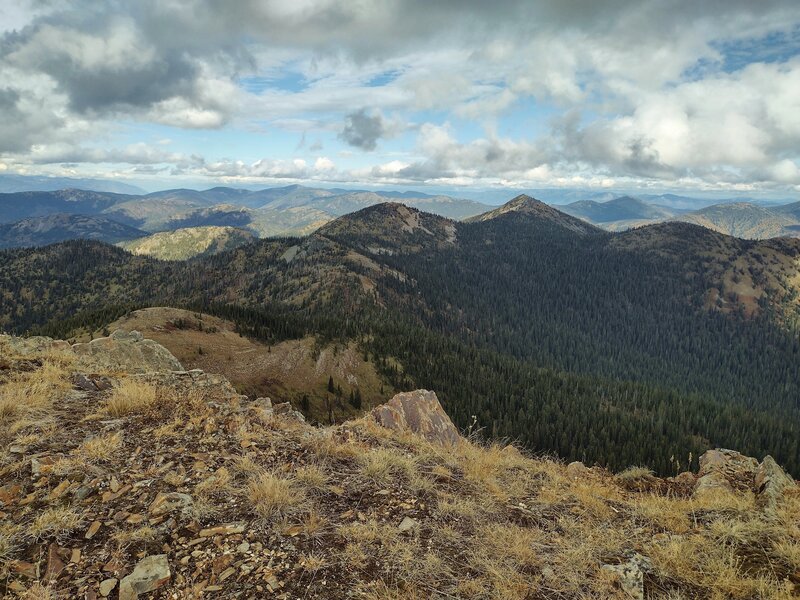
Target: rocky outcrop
[[30, 346], [125, 352], [725, 469], [419, 412], [731, 471], [771, 482]]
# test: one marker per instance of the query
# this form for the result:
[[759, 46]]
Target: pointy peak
[[531, 209], [522, 201]]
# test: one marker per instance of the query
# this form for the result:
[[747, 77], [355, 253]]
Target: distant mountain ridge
[[289, 210], [739, 219], [524, 206], [625, 208], [50, 229]]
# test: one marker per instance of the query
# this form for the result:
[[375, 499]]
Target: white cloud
[[637, 88]]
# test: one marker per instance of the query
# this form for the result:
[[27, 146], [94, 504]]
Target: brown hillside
[[284, 371]]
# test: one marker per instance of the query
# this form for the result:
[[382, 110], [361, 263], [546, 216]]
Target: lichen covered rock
[[127, 352], [420, 412]]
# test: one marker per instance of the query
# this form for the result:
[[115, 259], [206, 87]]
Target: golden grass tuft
[[30, 395], [54, 523], [312, 477], [382, 465], [9, 540], [131, 537], [100, 448], [131, 397], [632, 474], [273, 496], [216, 483], [37, 591]]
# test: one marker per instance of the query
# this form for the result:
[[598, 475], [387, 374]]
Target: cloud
[[699, 92], [363, 130]]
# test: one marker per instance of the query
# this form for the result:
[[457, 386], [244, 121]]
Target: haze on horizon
[[700, 97]]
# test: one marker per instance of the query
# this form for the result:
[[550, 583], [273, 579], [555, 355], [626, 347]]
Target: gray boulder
[[123, 351]]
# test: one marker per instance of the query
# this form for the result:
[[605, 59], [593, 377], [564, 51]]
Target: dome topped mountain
[[525, 206], [390, 228]]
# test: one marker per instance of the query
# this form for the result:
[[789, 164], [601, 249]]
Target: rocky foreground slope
[[122, 476]]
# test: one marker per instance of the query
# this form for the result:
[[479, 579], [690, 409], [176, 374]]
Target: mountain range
[[739, 219], [290, 210], [619, 348], [299, 210]]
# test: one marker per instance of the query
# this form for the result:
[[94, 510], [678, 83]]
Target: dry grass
[[312, 477], [246, 467], [10, 535], [37, 591], [493, 523], [54, 523], [634, 474], [667, 514], [131, 397], [132, 537], [382, 465], [100, 448], [216, 483], [272, 496], [30, 396]]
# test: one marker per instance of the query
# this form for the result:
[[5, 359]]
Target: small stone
[[408, 525], [576, 468], [149, 574], [82, 493], [228, 529], [75, 557], [630, 575], [107, 586], [110, 496], [26, 569], [8, 493], [59, 490], [168, 503], [272, 583], [54, 563], [93, 529]]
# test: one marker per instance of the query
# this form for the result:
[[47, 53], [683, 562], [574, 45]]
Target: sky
[[418, 94]]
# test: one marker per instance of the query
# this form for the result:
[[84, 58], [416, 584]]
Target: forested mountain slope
[[53, 228], [618, 348], [189, 242]]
